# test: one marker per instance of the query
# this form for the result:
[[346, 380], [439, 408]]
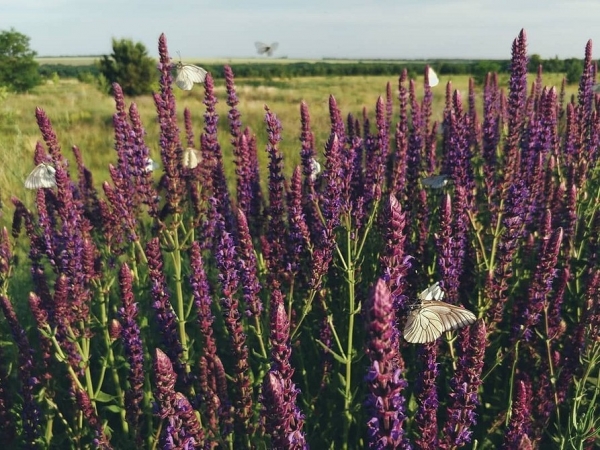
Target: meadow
[[249, 302]]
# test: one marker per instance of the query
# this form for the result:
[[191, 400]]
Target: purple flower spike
[[394, 261], [400, 157], [213, 388], [385, 402], [225, 257], [427, 398], [134, 352], [31, 412], [161, 303], [192, 433], [465, 385], [248, 268], [170, 143], [519, 428], [89, 412], [274, 250], [164, 384]]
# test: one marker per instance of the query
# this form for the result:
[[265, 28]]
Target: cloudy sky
[[309, 28]]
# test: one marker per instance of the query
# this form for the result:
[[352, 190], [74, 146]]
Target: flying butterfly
[[433, 78], [436, 181], [191, 158], [188, 74], [431, 317], [43, 176], [263, 48]]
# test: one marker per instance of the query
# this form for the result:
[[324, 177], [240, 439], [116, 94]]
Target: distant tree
[[534, 62], [574, 69], [482, 68], [18, 68], [130, 66]]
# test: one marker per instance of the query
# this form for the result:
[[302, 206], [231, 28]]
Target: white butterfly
[[188, 74], [191, 158], [315, 169], [436, 181], [151, 166], [433, 78], [262, 48], [41, 177], [431, 317]]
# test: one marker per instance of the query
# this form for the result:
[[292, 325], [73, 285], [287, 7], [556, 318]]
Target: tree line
[[132, 67]]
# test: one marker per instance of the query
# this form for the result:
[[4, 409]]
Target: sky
[[309, 29]]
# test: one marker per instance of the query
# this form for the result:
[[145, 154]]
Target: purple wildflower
[[519, 428], [427, 398], [161, 303], [134, 352], [274, 242], [465, 384], [30, 412], [89, 412], [225, 257], [213, 388], [384, 379], [169, 141]]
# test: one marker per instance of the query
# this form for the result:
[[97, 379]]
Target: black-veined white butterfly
[[315, 169], [263, 48], [151, 166], [188, 74], [431, 317], [43, 176], [191, 158], [436, 181], [433, 78]]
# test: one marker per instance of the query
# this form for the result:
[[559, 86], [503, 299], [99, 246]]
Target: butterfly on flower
[[188, 74], [43, 176], [430, 317], [191, 158], [436, 181]]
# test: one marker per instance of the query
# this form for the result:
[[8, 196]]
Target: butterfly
[[191, 158], [431, 317], [41, 177], [433, 78], [262, 48], [315, 169], [436, 181], [188, 74], [151, 166]]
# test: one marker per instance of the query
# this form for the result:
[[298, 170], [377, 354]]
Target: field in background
[[82, 116]]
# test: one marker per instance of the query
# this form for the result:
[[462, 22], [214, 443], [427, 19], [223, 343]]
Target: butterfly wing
[[189, 74], [261, 47], [422, 326], [433, 78], [452, 317], [315, 169], [43, 176], [433, 292], [191, 158], [272, 48], [436, 181]]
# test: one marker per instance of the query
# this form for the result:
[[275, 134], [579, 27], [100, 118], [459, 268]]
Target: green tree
[[130, 66], [18, 67], [574, 69]]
